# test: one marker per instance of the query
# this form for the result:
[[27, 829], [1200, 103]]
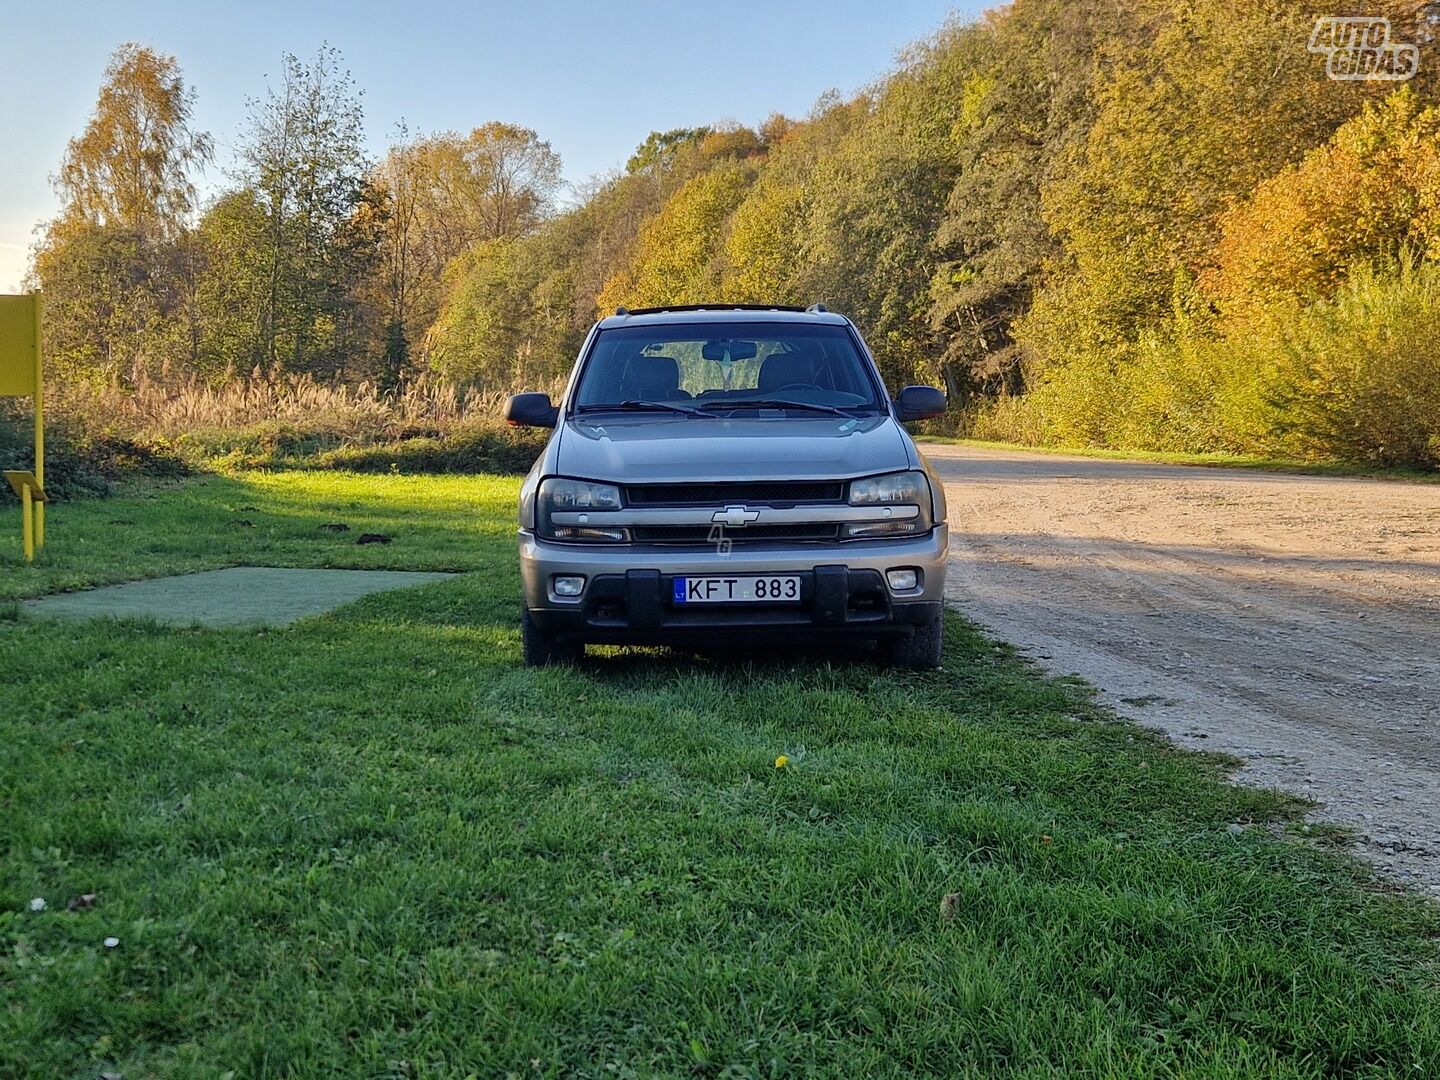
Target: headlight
[[558, 495], [906, 488], [903, 487]]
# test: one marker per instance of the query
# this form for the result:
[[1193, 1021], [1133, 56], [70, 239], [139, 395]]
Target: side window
[[602, 374]]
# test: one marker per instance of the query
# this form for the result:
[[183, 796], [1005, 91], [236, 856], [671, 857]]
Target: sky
[[593, 78]]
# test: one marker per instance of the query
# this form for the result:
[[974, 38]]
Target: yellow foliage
[[763, 244], [676, 256], [1347, 378], [1373, 189]]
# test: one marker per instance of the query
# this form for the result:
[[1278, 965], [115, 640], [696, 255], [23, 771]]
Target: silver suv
[[728, 474]]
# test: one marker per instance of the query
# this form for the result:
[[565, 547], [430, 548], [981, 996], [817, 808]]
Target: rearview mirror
[[920, 403], [530, 410]]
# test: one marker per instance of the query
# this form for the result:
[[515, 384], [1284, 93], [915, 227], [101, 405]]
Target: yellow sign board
[[20, 481], [19, 345], [21, 376]]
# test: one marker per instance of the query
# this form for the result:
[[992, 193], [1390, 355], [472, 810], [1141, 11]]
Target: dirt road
[[1293, 621]]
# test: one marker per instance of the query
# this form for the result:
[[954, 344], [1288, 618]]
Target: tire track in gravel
[[1292, 621]]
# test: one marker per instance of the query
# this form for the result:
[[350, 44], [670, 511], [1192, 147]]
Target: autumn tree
[[132, 167], [677, 256], [516, 311], [483, 331], [524, 305], [1185, 126], [1368, 196], [874, 202], [232, 285], [109, 262], [302, 156], [768, 233], [446, 194], [1024, 100], [660, 148]]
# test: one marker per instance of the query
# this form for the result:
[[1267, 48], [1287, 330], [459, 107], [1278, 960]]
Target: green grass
[[1213, 460], [267, 519], [373, 845]]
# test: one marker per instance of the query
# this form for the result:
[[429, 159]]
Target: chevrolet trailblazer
[[730, 473]]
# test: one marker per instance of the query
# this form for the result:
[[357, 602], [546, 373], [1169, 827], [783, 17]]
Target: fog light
[[567, 586], [902, 580]]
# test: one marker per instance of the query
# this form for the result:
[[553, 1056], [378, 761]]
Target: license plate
[[775, 589]]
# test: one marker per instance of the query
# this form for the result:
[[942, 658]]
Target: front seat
[[647, 378], [787, 369]]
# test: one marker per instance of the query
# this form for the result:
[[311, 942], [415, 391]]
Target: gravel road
[[1293, 621]]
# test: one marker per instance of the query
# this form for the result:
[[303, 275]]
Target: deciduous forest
[[1140, 224]]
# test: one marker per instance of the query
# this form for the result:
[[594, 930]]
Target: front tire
[[540, 647], [922, 650]]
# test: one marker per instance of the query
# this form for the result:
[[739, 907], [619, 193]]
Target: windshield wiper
[[636, 405], [778, 403]]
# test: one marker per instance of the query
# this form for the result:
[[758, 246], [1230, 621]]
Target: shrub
[[1354, 378], [78, 463], [484, 446], [1359, 375], [154, 428]]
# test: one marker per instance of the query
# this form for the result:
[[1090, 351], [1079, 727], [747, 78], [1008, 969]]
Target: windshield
[[718, 367]]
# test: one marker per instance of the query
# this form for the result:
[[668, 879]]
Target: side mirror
[[530, 410], [920, 403]]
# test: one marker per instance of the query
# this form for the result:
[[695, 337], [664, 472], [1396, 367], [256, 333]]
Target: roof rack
[[715, 307]]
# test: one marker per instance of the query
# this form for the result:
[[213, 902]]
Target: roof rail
[[710, 307], [818, 307]]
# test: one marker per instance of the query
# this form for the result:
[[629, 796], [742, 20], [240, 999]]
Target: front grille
[[701, 534], [772, 493]]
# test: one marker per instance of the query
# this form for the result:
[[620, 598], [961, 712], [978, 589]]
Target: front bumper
[[628, 597]]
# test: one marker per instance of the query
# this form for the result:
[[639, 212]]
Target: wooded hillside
[[1131, 223]]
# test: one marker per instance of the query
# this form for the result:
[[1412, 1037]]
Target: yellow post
[[27, 524], [39, 423], [32, 498]]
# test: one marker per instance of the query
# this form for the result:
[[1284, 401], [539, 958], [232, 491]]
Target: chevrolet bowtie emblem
[[737, 517]]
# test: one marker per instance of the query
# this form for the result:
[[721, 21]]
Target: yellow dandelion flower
[[781, 761]]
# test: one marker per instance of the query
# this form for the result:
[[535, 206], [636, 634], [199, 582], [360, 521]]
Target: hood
[[664, 449]]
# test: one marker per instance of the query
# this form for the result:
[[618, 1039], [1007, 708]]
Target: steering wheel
[[797, 386]]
